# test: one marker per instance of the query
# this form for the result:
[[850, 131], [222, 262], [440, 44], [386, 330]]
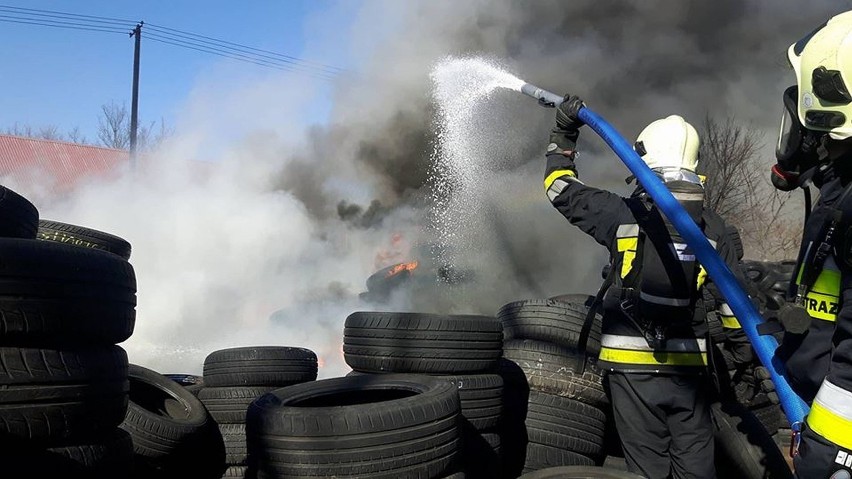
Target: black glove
[[763, 384], [567, 113]]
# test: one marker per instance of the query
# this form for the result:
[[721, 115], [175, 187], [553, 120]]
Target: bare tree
[[737, 187], [47, 132], [114, 129], [114, 126]]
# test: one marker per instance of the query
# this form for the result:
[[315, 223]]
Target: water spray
[[765, 345]]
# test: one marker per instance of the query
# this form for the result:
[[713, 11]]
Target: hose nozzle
[[545, 98]]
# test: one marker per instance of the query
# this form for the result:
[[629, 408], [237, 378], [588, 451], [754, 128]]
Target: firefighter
[[814, 146], [654, 341]]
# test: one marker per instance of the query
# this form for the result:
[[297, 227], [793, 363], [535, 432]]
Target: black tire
[[234, 437], [83, 237], [56, 396], [541, 457], [769, 415], [107, 457], [229, 405], [549, 368], [554, 321], [238, 472], [172, 432], [275, 366], [18, 217], [580, 472], [743, 447], [481, 397], [584, 299], [482, 455], [377, 426], [53, 294], [190, 382], [421, 343], [566, 424], [733, 235]]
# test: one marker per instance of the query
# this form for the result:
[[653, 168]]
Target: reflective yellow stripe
[[823, 300], [660, 358], [628, 247], [730, 322], [702, 276], [835, 428], [822, 306], [555, 176], [831, 414]]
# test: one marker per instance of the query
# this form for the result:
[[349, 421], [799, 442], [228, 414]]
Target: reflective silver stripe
[[689, 196], [635, 343], [664, 301], [725, 310], [558, 186], [712, 243], [627, 231], [835, 399], [680, 249]]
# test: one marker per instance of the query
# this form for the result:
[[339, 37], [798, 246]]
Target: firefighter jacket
[[609, 219], [830, 334], [807, 356]]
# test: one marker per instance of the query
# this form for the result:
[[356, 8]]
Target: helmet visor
[[790, 132]]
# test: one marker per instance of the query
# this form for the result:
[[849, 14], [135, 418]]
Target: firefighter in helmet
[[814, 147], [654, 330]]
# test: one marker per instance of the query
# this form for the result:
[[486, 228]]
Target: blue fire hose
[[794, 408]]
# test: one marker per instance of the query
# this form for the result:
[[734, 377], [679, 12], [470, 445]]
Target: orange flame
[[402, 267]]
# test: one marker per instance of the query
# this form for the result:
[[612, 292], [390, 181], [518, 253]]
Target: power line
[[169, 36], [234, 56], [238, 45], [37, 11], [7, 19], [265, 59]]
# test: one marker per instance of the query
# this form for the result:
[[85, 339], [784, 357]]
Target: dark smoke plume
[[632, 61]]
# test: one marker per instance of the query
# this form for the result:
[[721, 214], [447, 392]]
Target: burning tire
[[259, 366], [55, 396], [18, 217], [580, 472], [83, 237], [555, 321], [58, 294], [378, 425], [172, 432], [421, 343]]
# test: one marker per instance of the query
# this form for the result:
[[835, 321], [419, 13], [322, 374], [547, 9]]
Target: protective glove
[[567, 113], [763, 384]]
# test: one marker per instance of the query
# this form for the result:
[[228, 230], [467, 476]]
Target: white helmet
[[822, 61], [669, 143]]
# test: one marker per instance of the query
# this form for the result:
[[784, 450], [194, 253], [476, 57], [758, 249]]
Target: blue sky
[[54, 76]]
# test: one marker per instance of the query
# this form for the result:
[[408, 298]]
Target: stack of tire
[[771, 281], [235, 377], [461, 350], [556, 407], [63, 380]]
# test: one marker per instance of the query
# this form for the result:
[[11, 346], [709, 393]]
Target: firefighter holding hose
[[814, 146], [654, 327]]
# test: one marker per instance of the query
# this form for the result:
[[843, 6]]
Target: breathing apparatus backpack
[[660, 290]]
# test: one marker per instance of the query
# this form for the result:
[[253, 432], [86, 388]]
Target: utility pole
[[134, 102]]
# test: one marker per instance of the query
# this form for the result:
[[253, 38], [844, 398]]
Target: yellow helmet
[[668, 143], [822, 61]]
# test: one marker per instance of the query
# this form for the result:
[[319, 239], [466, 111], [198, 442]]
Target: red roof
[[63, 164]]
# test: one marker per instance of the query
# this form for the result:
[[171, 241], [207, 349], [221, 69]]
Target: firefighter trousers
[[664, 423]]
